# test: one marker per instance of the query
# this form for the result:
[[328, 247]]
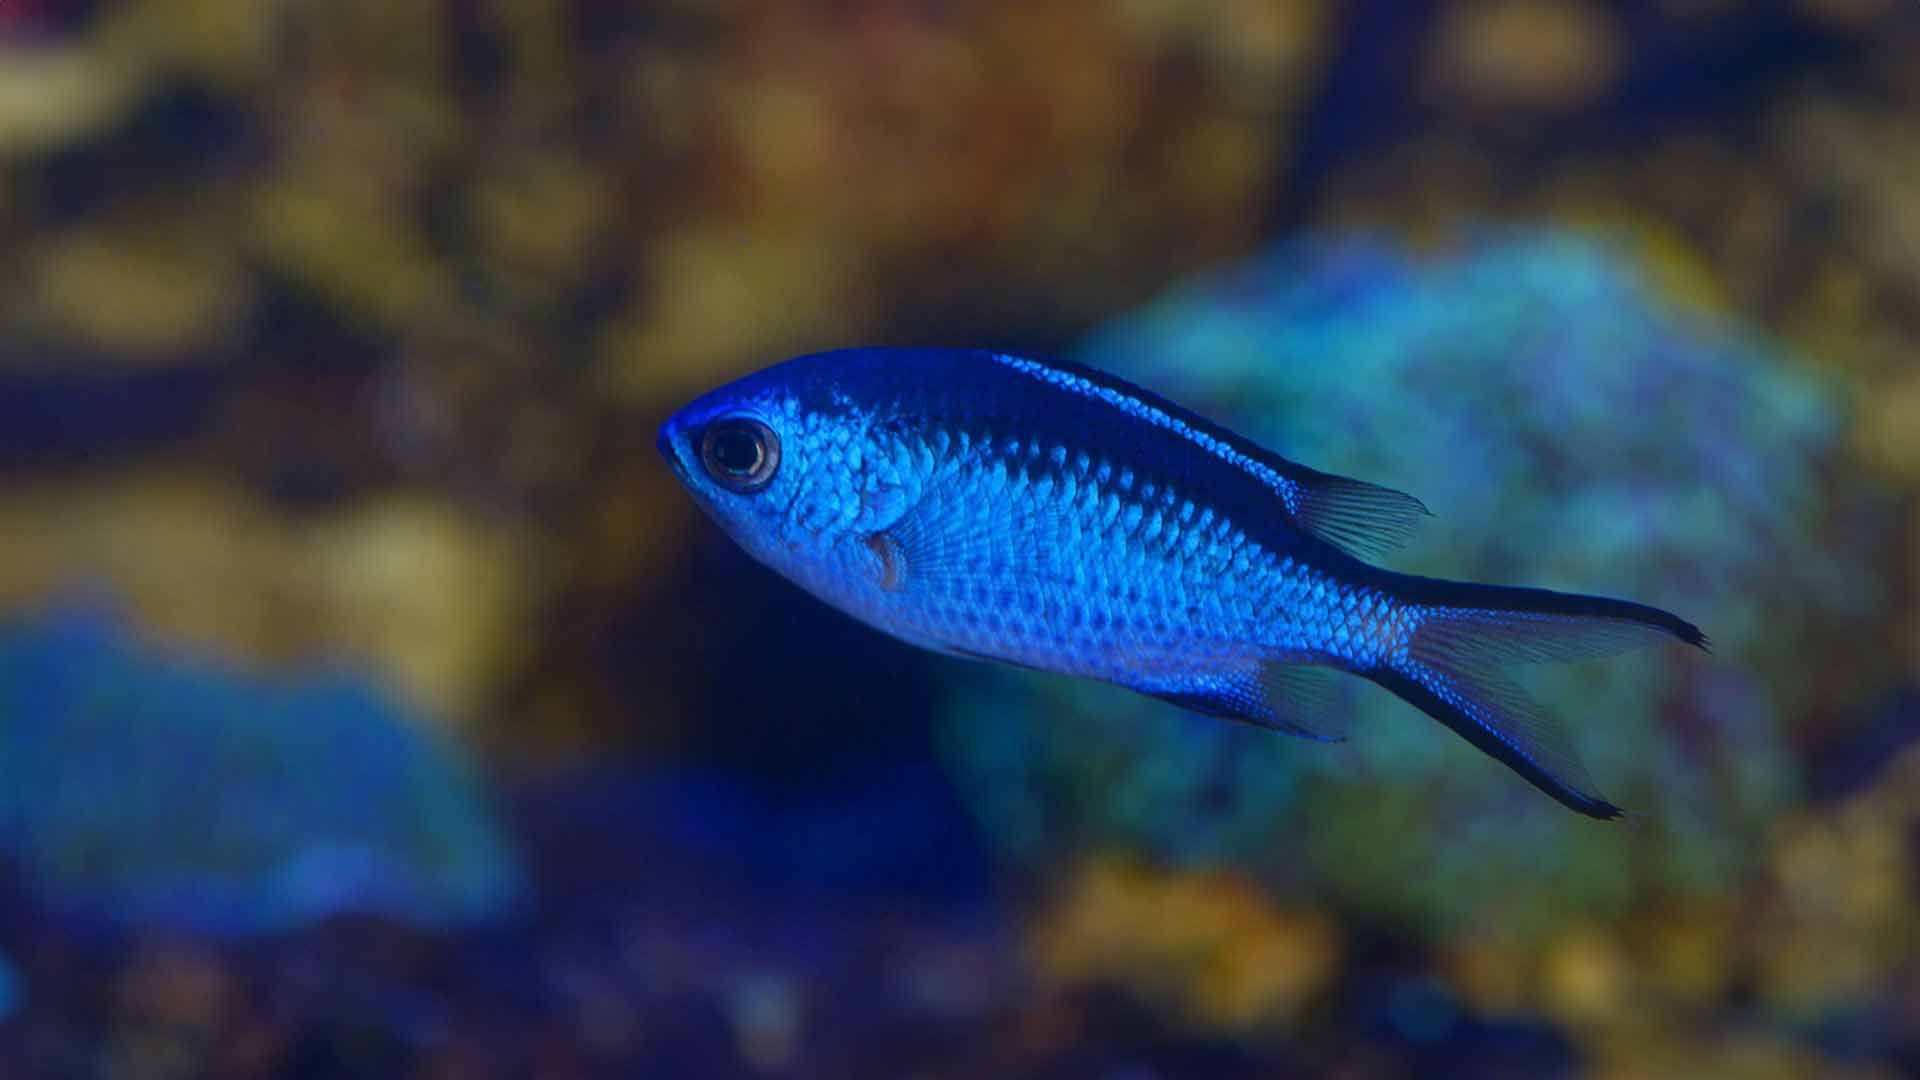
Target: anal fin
[[971, 654], [1293, 699]]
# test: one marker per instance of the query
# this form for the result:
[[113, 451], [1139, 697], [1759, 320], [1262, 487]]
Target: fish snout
[[668, 443]]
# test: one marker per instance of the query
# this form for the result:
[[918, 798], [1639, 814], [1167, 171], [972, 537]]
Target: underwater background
[[374, 703]]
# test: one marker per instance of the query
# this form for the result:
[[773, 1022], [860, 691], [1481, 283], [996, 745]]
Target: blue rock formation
[[145, 788]]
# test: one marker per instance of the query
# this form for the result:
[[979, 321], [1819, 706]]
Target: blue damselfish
[[1055, 517]]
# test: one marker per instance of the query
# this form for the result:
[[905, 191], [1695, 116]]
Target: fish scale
[[1054, 517], [1164, 556]]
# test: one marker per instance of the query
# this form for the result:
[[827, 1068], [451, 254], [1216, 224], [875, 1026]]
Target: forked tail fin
[[1451, 669]]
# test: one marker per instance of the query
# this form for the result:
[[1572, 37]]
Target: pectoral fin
[[940, 544]]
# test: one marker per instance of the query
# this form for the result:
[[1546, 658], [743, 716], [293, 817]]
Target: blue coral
[[142, 788], [1571, 430]]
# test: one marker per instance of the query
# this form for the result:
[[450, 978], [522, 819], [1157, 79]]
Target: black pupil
[[737, 450]]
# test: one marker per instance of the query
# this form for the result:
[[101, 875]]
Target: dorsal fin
[[1364, 520], [1359, 518]]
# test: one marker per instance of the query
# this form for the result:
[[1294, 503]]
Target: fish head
[[781, 461]]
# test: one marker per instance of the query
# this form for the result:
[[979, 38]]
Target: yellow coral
[[363, 254], [139, 288], [1839, 912], [1551, 53], [49, 98], [1586, 977], [1208, 944], [403, 583], [540, 219]]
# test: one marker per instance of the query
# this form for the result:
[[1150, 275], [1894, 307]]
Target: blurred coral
[[69, 81], [1838, 910], [1212, 946], [401, 584], [991, 144], [1466, 379], [148, 291], [327, 798], [1558, 54]]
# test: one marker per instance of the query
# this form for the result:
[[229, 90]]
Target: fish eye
[[740, 453]]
